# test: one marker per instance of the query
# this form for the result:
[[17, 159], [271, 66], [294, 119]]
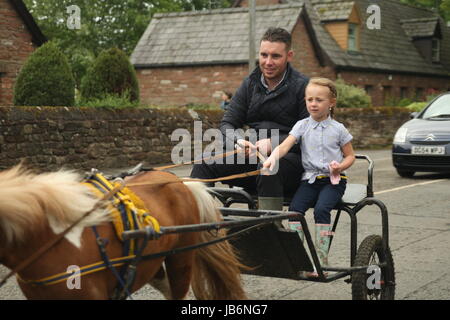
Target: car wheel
[[405, 173]]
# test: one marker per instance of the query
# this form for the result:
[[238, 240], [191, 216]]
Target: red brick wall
[[177, 86], [15, 47], [381, 81]]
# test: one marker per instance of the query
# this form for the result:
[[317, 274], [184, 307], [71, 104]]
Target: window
[[352, 44], [435, 50], [369, 89], [387, 95], [403, 92], [419, 94]]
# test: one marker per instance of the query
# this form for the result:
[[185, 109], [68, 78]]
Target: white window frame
[[435, 50], [352, 38]]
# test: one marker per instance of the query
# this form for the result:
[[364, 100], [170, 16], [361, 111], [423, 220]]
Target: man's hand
[[248, 147], [264, 146]]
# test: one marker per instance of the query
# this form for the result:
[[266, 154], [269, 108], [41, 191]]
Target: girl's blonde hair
[[325, 82]]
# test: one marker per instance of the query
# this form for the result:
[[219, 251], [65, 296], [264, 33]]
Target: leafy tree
[[111, 73], [103, 24], [443, 6], [45, 79]]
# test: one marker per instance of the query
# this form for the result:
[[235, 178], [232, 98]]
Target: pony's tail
[[216, 272]]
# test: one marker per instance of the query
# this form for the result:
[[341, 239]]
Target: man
[[270, 98]]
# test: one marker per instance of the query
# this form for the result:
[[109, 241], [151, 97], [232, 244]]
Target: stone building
[[392, 50], [19, 36]]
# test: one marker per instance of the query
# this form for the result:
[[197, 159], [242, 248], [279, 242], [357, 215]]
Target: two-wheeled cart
[[273, 251]]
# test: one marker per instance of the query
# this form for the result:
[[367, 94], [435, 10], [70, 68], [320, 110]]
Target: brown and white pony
[[34, 208]]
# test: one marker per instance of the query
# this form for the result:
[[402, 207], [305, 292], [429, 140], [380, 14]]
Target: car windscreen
[[439, 109]]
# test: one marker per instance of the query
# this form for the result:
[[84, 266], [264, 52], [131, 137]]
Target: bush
[[404, 102], [110, 74], [417, 106], [45, 80], [110, 101], [350, 96]]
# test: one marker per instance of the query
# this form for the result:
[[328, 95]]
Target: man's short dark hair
[[278, 35]]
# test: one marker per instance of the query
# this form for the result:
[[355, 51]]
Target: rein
[[231, 177], [116, 262], [222, 155]]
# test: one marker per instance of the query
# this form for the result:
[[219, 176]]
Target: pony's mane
[[29, 201]]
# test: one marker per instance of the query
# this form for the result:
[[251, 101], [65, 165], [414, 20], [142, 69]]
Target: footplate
[[272, 252]]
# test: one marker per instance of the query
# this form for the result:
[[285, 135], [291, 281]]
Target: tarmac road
[[419, 225]]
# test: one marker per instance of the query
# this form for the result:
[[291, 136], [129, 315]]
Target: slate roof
[[388, 49], [334, 11], [419, 28], [220, 36], [207, 37]]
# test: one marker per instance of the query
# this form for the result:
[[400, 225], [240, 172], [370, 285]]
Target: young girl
[[326, 152]]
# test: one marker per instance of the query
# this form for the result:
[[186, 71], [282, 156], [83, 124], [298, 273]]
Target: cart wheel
[[381, 287]]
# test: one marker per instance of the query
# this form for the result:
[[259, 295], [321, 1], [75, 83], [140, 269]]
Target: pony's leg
[[161, 283], [179, 272]]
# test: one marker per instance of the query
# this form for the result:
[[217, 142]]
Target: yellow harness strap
[[135, 211], [134, 206]]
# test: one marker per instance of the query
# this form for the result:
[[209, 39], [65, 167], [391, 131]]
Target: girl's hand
[[335, 167], [335, 172], [268, 166]]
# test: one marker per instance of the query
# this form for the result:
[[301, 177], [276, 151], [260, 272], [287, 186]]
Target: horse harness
[[128, 213]]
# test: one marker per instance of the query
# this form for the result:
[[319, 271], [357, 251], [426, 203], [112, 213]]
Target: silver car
[[423, 143]]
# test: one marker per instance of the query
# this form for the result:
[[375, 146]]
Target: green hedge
[[350, 96], [110, 74], [45, 80]]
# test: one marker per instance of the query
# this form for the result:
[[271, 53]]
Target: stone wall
[[83, 138]]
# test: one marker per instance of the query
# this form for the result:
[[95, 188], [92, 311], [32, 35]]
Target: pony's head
[[29, 202]]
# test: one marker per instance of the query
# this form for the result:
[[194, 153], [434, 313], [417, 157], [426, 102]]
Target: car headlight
[[400, 136]]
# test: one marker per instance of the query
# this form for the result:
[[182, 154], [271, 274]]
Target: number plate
[[428, 150]]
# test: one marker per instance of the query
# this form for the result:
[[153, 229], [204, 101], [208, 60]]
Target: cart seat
[[354, 193]]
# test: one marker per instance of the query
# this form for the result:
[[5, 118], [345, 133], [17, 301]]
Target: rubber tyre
[[371, 252], [405, 173]]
